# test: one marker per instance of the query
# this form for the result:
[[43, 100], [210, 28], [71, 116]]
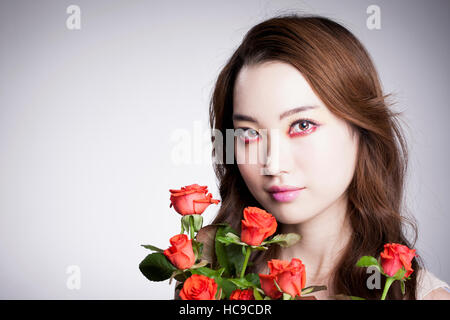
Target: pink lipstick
[[284, 193]]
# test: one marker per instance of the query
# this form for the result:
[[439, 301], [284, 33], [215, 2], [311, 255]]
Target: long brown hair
[[342, 74]]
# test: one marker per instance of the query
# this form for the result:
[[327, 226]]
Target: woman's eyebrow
[[296, 110], [242, 117], [285, 114]]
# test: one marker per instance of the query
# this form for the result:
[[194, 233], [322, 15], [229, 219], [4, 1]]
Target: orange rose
[[180, 254], [192, 199], [199, 287], [396, 256], [269, 287], [290, 277], [238, 294], [257, 226]]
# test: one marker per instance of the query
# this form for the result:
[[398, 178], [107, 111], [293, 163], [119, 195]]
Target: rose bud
[[239, 294], [396, 256], [192, 199], [180, 254], [257, 226], [199, 287]]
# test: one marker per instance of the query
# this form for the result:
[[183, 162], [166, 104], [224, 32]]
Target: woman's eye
[[302, 127], [249, 135]]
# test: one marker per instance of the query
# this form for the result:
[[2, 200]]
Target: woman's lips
[[284, 193]]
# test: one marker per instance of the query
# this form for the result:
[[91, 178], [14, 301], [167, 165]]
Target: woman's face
[[310, 153]]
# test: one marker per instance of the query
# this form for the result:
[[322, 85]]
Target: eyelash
[[306, 132]]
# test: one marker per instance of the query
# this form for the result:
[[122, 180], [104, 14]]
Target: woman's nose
[[275, 151], [270, 168]]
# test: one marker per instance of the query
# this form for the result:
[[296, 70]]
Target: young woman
[[336, 158]]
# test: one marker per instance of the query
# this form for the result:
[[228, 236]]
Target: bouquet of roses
[[211, 262]]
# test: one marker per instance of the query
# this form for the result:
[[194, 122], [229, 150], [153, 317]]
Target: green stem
[[192, 232], [191, 229], [247, 255], [387, 285]]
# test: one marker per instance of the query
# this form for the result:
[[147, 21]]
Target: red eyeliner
[[296, 134], [247, 141], [303, 132]]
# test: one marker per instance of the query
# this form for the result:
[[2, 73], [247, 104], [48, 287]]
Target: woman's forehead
[[271, 88]]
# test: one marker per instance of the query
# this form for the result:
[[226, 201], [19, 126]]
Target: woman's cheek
[[330, 163], [246, 153], [247, 162], [252, 178], [309, 162]]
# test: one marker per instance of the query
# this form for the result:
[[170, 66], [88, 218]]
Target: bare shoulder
[[438, 294]]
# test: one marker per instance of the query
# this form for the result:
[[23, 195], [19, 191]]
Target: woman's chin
[[290, 216], [293, 212]]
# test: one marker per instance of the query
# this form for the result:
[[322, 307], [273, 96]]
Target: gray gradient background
[[86, 118]]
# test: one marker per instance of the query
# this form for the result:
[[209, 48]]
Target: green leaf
[[225, 284], [220, 271], [224, 240], [210, 273], [284, 240], [231, 238], [153, 248], [253, 278], [229, 256], [242, 283], [369, 261], [256, 294], [219, 294], [156, 267]]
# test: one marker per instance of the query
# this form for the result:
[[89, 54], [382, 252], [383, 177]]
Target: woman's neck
[[324, 237]]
